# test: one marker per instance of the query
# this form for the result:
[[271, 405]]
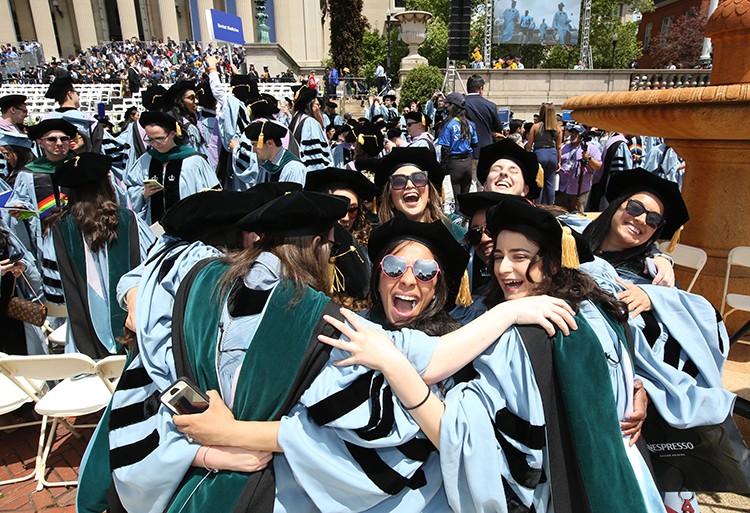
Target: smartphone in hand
[[184, 398]]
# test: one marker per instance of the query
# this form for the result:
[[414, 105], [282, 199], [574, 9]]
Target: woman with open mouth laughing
[[411, 179]]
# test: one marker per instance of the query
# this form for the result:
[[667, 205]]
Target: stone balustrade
[[669, 79]]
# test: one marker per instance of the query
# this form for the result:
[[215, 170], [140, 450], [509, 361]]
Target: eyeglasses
[[53, 139], [474, 235], [635, 208], [419, 179], [424, 269], [412, 123], [25, 111], [157, 140], [191, 97], [353, 210]]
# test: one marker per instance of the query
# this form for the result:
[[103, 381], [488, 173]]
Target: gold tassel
[[463, 298], [332, 276], [374, 205], [178, 129], [424, 121], [569, 249], [540, 176], [261, 136], [675, 239], [361, 139]]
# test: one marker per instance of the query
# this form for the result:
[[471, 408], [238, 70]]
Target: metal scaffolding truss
[[586, 57], [488, 23]]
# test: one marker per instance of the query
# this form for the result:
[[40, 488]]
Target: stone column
[[245, 12], [202, 6], [45, 30], [6, 22], [85, 23], [168, 18], [128, 20]]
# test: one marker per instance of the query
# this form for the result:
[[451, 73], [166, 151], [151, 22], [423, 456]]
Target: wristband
[[421, 402], [212, 470], [665, 256]]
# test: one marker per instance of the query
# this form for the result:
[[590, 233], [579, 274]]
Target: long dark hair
[[460, 114], [434, 320], [571, 285], [94, 209], [597, 231], [23, 157]]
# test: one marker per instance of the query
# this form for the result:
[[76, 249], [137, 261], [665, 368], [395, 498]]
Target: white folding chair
[[110, 369], [14, 394], [736, 302], [687, 256], [80, 392]]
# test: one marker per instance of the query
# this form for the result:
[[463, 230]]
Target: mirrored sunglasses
[[424, 269]]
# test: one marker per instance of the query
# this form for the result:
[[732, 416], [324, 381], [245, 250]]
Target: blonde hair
[[548, 116]]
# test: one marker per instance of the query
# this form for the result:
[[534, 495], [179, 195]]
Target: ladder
[[488, 25], [586, 57]]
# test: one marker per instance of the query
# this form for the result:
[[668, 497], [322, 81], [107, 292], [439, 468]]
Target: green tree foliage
[[375, 49], [347, 30], [420, 83], [435, 47], [682, 43]]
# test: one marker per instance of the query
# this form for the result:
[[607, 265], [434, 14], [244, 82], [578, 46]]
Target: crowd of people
[[216, 237]]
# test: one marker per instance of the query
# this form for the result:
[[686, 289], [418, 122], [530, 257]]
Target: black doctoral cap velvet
[[473, 202], [158, 118], [640, 180], [60, 85], [263, 107], [175, 92], [422, 158], [518, 215], [244, 87], [153, 97], [302, 96], [346, 127], [450, 255], [296, 213], [206, 97], [418, 117], [269, 129], [331, 178], [507, 149], [37, 131], [197, 215], [370, 137], [11, 100], [84, 169]]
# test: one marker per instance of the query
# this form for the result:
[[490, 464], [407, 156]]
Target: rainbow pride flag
[[47, 204]]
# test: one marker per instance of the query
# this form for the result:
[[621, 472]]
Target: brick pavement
[[17, 454]]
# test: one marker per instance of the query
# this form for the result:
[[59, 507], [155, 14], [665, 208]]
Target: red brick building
[[657, 21]]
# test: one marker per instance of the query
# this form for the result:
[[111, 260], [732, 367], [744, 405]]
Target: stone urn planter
[[413, 33]]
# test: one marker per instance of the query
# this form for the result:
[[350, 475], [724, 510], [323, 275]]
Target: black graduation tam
[[342, 129], [268, 129], [391, 97], [84, 169], [331, 178], [198, 215], [507, 149], [37, 131], [371, 138], [303, 96], [153, 97], [158, 118], [449, 253], [175, 92], [518, 215], [244, 87], [206, 97], [472, 202], [11, 100], [60, 85], [264, 106], [352, 274], [418, 117], [423, 158], [640, 180], [332, 105], [297, 213]]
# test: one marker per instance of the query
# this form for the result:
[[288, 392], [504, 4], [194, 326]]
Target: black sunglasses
[[474, 235], [419, 179], [635, 208]]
